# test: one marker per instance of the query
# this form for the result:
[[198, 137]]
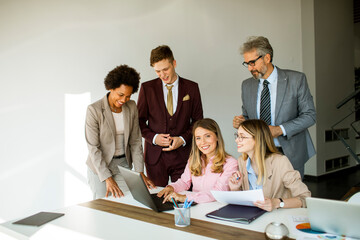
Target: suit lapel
[[282, 82], [181, 94], [253, 92], [126, 114], [108, 115], [160, 93]]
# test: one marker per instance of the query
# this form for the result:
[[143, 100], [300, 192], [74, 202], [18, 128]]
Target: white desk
[[82, 222]]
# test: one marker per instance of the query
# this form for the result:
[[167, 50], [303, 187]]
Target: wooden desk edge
[[199, 227]]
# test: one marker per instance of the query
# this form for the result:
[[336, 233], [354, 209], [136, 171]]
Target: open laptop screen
[[332, 216], [140, 192]]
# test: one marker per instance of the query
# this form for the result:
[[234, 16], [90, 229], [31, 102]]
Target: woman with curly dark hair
[[113, 135]]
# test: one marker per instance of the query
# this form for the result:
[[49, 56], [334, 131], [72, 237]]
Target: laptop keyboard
[[159, 203]]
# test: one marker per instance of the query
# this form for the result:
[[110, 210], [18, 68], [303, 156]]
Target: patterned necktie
[[169, 103], [265, 104]]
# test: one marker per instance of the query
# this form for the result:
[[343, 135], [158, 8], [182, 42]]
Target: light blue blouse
[[252, 176]]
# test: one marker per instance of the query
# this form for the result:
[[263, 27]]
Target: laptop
[[141, 193], [332, 216]]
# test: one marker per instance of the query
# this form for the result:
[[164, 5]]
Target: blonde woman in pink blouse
[[209, 167]]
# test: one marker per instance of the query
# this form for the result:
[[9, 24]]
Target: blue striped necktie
[[265, 104]]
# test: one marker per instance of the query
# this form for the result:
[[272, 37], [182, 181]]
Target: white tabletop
[[85, 223]]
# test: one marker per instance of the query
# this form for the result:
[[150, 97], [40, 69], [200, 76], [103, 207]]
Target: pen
[[189, 205], [185, 203], [177, 206], [175, 203]]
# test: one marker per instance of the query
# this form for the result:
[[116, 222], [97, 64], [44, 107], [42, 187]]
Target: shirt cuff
[[283, 130], [154, 139], [183, 140]]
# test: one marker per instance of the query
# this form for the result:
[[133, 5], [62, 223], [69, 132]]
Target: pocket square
[[187, 97]]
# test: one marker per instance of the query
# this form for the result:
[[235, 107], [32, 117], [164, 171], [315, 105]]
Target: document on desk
[[239, 197]]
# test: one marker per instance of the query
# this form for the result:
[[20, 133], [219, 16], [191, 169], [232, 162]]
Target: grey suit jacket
[[294, 110], [100, 137]]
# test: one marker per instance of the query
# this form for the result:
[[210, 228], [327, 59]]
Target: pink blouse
[[206, 182]]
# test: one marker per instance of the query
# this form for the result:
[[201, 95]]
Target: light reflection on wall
[[76, 189]]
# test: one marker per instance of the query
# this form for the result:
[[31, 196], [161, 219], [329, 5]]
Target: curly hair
[[160, 53], [122, 74], [260, 44]]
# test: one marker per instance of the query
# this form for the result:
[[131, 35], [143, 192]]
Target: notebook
[[141, 193], [237, 213], [332, 216]]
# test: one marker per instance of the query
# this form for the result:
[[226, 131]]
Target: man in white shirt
[[168, 107], [281, 98]]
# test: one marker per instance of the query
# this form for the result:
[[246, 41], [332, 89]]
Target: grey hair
[[260, 44]]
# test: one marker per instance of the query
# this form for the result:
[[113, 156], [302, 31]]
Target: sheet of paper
[[239, 197]]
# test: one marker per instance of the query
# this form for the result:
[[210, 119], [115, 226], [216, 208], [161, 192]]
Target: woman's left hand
[[267, 204], [147, 181], [178, 197]]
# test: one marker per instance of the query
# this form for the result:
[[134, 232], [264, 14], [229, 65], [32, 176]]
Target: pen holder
[[182, 216]]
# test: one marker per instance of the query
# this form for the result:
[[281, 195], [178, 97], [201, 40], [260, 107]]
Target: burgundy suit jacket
[[154, 118]]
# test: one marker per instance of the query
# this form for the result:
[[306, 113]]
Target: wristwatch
[[282, 204]]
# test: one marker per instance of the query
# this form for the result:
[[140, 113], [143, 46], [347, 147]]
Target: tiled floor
[[334, 186]]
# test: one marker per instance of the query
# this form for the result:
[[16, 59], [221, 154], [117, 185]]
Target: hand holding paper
[[239, 197]]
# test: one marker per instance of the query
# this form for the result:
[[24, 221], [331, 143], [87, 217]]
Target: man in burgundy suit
[[168, 107]]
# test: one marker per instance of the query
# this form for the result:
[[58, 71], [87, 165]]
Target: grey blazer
[[100, 137], [294, 110]]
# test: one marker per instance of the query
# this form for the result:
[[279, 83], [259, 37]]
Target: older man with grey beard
[[281, 98]]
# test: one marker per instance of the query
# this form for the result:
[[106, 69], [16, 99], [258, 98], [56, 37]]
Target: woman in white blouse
[[113, 135]]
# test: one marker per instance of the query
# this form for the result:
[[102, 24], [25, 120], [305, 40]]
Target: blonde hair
[[196, 157], [264, 145]]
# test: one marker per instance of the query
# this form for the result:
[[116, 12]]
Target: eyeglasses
[[251, 63], [241, 138]]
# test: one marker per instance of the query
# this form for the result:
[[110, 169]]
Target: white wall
[[334, 61], [54, 56], [309, 67]]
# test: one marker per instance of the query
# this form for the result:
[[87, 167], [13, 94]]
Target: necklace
[[114, 109]]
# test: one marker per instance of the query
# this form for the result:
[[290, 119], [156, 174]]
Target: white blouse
[[119, 138]]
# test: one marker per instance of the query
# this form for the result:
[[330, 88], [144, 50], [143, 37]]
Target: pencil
[[177, 206]]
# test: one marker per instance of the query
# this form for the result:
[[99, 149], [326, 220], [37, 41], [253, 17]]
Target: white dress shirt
[[175, 93]]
